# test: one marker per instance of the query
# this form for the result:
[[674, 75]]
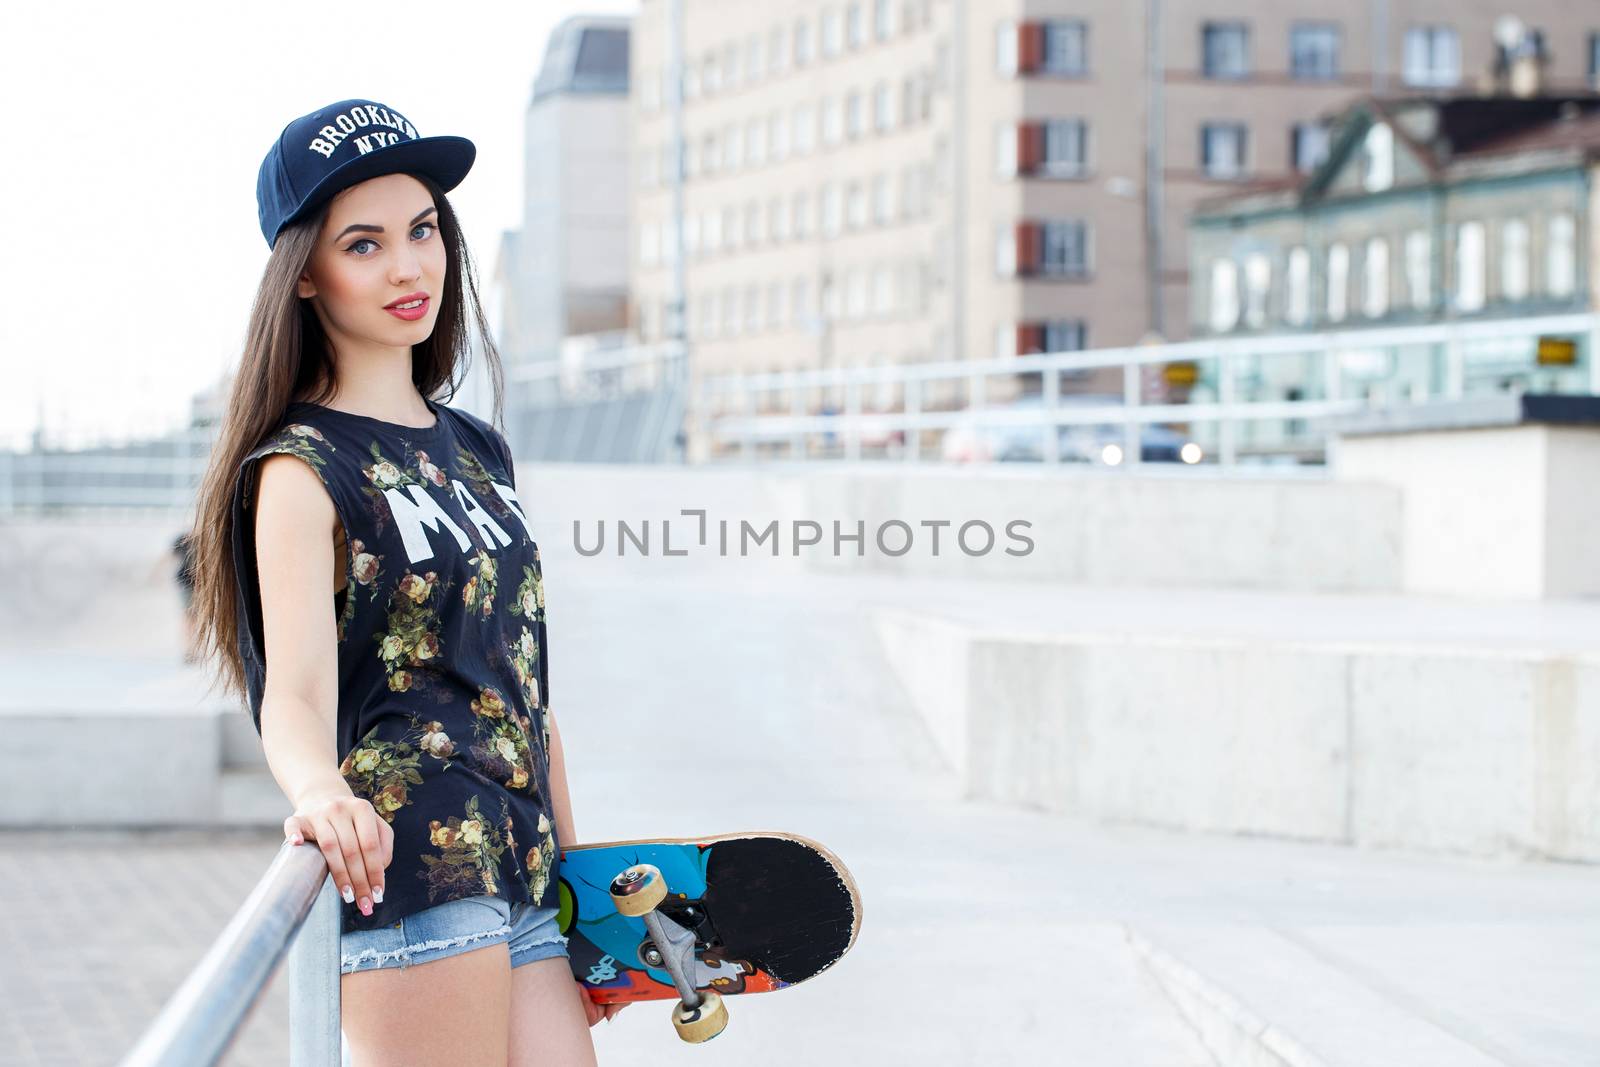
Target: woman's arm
[[560, 798]]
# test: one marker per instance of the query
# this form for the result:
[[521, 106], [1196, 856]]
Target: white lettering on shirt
[[416, 514], [479, 517]]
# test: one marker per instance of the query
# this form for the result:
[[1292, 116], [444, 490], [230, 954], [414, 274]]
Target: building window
[[883, 19], [1222, 149], [1377, 158], [855, 121], [1375, 278], [1257, 286], [1338, 282], [1065, 147], [1008, 250], [802, 42], [883, 107], [882, 206], [832, 33], [1007, 48], [1224, 295], [855, 206], [855, 293], [800, 302], [777, 220], [832, 120], [1053, 148], [775, 305], [855, 26], [1432, 56], [778, 137], [1066, 48], [882, 291], [730, 312], [731, 73], [1314, 51], [1225, 50], [733, 148], [805, 129], [777, 52], [1063, 248], [1309, 146], [1050, 335], [730, 227], [831, 210], [802, 215], [753, 219], [1297, 287], [1594, 60], [1514, 266], [755, 140], [1419, 269], [1006, 149], [755, 58], [1560, 270], [1469, 266]]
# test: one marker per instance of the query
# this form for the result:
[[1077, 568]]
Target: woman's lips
[[410, 314]]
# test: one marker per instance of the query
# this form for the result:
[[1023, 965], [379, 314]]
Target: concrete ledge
[[1115, 530], [138, 767], [1448, 749], [113, 768]]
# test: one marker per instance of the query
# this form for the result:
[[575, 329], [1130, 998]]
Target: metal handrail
[[293, 909]]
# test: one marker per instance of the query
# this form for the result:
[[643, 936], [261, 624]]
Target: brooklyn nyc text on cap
[[335, 147]]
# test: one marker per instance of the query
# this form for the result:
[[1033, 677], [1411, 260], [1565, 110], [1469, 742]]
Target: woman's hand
[[357, 843], [595, 1012]]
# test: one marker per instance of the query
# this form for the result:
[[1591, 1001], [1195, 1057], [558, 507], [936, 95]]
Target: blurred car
[[973, 440]]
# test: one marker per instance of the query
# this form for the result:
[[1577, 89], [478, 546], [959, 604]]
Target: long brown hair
[[287, 357]]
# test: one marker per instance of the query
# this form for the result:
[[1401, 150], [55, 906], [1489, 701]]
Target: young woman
[[366, 577]]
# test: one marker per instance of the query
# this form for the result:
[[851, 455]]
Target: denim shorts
[[453, 927]]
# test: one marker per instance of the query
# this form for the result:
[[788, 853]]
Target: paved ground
[[991, 935]]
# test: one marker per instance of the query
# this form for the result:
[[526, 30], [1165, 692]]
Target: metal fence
[[1237, 405], [1225, 405]]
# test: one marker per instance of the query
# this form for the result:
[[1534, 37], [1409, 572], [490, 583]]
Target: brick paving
[[81, 980]]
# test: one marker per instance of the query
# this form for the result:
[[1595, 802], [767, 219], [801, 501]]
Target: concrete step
[[1263, 998]]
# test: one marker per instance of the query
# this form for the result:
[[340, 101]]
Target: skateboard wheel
[[637, 890], [703, 1023]]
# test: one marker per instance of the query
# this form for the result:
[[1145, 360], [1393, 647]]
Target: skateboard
[[699, 919]]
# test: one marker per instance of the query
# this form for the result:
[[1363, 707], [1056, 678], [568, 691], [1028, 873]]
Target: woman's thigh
[[433, 988], [447, 1011], [548, 1024]]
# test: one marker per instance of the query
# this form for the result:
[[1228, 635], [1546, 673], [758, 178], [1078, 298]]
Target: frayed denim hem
[[527, 954], [405, 952]]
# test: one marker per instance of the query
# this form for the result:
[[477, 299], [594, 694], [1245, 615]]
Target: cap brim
[[445, 159]]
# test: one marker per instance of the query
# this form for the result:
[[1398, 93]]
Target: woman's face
[[379, 246]]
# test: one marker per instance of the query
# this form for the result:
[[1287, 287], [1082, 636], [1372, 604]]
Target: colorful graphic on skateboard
[[698, 919]]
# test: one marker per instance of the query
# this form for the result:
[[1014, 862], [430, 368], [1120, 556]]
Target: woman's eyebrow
[[368, 228]]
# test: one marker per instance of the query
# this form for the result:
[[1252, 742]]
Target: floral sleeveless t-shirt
[[441, 651]]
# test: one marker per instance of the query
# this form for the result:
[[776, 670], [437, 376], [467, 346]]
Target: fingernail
[[349, 895], [366, 906], [299, 840], [377, 894]]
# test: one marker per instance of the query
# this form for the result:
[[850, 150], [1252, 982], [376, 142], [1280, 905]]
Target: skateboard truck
[[700, 1014]]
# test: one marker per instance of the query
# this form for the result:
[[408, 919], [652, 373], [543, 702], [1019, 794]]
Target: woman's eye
[[424, 225], [358, 244]]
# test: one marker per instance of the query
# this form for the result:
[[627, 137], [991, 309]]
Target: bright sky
[[134, 135]]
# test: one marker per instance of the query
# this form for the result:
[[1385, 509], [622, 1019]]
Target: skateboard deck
[[767, 910]]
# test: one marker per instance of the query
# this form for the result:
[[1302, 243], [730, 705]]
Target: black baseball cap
[[335, 147]]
